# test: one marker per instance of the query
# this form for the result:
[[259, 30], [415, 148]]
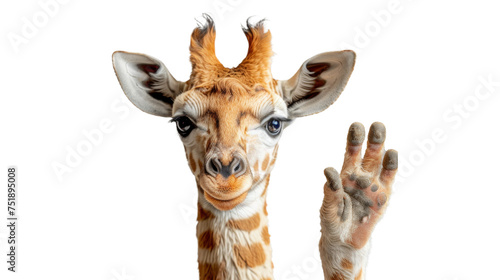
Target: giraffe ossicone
[[230, 121]]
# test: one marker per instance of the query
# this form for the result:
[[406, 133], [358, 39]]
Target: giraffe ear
[[147, 82], [318, 83]]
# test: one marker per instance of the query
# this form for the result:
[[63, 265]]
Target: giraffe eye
[[273, 127], [184, 126]]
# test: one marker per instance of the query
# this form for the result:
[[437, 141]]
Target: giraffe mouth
[[225, 205], [225, 193]]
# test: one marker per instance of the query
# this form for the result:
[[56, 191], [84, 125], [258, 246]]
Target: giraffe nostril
[[237, 168], [214, 166]]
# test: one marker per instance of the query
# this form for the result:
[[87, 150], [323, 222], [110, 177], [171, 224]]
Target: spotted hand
[[356, 199]]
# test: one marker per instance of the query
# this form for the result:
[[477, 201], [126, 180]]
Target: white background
[[127, 209]]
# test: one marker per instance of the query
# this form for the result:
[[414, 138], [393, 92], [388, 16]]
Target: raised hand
[[355, 200]]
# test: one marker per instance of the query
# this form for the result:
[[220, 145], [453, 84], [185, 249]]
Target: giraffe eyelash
[[273, 116], [284, 121], [176, 118]]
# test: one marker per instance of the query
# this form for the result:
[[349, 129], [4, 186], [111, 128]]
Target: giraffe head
[[231, 119]]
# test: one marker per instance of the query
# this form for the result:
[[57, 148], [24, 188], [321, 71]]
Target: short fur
[[230, 149]]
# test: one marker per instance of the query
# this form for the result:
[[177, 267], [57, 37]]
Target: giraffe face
[[230, 133], [230, 119]]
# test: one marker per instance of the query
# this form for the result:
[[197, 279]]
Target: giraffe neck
[[235, 244]]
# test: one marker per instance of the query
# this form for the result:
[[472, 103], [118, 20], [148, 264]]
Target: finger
[[375, 148], [336, 207], [355, 139], [389, 168], [333, 179]]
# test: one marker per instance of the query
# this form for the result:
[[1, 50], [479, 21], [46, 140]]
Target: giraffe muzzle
[[236, 167], [226, 180]]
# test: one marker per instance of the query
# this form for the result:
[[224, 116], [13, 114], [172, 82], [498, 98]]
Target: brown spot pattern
[[265, 208], [256, 166], [248, 224], [265, 163], [267, 184], [208, 240], [192, 163], [204, 214], [337, 277], [249, 255], [265, 235], [256, 179], [346, 264], [208, 271], [272, 161]]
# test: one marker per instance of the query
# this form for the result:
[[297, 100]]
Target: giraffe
[[230, 121]]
